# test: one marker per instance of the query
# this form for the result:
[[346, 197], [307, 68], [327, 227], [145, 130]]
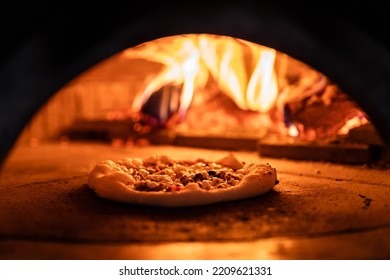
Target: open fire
[[203, 84], [234, 86]]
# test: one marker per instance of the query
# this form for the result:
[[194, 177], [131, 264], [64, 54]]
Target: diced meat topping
[[168, 175]]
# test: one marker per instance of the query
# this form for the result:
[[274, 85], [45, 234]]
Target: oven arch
[[59, 52]]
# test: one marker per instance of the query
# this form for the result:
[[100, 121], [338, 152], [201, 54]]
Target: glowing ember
[[352, 123], [293, 131]]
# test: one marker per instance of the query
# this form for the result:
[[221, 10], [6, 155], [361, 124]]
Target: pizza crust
[[111, 182]]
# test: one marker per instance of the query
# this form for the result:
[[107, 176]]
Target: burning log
[[350, 153], [365, 134], [320, 110], [216, 142]]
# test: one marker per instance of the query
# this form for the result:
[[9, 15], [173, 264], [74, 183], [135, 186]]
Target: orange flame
[[262, 87], [190, 68], [191, 60]]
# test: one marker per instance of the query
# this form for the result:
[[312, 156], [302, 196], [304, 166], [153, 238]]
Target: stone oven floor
[[317, 211]]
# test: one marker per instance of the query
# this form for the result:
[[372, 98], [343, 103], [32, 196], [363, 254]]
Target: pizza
[[163, 181]]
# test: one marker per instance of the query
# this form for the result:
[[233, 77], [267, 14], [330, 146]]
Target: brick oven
[[274, 83]]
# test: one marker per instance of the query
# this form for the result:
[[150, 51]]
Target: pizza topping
[[161, 173]]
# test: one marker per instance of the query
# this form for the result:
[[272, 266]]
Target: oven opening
[[210, 91]]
